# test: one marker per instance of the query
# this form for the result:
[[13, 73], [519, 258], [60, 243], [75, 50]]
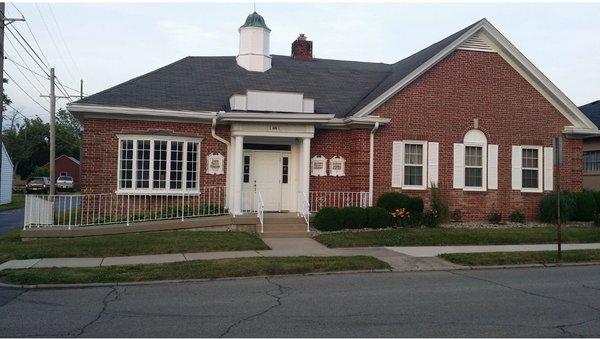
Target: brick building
[[469, 114]]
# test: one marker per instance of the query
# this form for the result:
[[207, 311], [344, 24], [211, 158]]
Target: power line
[[25, 92], [32, 35], [61, 36], [24, 67], [27, 51], [29, 81], [23, 59]]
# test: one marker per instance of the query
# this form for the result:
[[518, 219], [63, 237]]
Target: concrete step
[[290, 220], [301, 234], [285, 228]]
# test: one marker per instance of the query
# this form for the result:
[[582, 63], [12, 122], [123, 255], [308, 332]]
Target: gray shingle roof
[[206, 83], [592, 111]]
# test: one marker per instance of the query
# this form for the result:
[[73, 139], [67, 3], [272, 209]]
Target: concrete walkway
[[432, 251], [400, 258]]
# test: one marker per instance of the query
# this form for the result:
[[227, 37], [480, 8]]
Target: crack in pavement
[[105, 302], [524, 291], [563, 328], [15, 297], [278, 293]]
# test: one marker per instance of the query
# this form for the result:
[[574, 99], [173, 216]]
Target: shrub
[[415, 206], [439, 204], [548, 211], [456, 216], [353, 217], [596, 195], [430, 219], [517, 216], [597, 219], [392, 201], [328, 219], [585, 206], [378, 217], [494, 218]]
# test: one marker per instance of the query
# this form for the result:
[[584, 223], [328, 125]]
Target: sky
[[106, 44]]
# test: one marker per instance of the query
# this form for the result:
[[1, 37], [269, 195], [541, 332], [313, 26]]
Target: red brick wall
[[441, 105], [100, 148]]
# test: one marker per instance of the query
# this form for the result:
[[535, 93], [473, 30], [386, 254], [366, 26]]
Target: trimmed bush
[[597, 219], [517, 216], [328, 219], [392, 201], [415, 206], [585, 206], [353, 217], [378, 217], [597, 199], [548, 211], [494, 218]]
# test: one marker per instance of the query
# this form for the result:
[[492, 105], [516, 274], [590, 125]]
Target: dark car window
[[65, 178], [37, 181]]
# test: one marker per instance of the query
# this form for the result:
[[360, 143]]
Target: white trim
[[276, 117], [483, 166], [88, 108], [424, 165], [539, 169], [509, 52]]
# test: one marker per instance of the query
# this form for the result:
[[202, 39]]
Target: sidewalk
[[423, 258], [432, 251]]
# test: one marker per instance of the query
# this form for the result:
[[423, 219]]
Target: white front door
[[267, 177]]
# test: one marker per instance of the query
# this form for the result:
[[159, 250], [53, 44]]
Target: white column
[[236, 182], [305, 169]]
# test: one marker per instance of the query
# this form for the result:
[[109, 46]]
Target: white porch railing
[[304, 209], [111, 208], [321, 199], [260, 211]]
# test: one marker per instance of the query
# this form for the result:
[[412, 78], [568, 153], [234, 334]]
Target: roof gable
[[483, 29]]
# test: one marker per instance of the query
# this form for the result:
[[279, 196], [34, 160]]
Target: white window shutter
[[432, 163], [516, 167], [397, 164], [459, 166], [492, 170], [548, 168]]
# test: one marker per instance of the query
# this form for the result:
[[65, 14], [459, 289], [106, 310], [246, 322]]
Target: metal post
[[557, 146]]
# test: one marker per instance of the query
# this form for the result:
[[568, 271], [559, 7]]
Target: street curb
[[177, 281], [571, 264]]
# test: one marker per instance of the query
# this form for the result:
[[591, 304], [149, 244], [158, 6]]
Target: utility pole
[[53, 98], [557, 144], [3, 23]]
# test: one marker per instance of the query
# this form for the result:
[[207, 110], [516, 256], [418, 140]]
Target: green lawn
[[238, 267], [454, 236], [11, 246], [18, 201], [516, 258]]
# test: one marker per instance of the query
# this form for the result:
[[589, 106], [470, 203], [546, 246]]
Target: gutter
[[371, 159], [213, 133]]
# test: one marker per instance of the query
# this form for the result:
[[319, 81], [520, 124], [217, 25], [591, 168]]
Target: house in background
[[6, 182], [591, 149], [469, 114], [67, 166]]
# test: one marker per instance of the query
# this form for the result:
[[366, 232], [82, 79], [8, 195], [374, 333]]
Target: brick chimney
[[302, 49]]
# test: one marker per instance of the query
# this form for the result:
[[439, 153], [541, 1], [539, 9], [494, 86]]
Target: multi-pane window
[[530, 167], [160, 164], [413, 164], [126, 164], [285, 170], [157, 164], [246, 170], [143, 164], [474, 166], [591, 161], [192, 165], [176, 165]]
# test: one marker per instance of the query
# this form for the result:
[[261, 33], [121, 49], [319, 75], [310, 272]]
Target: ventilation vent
[[478, 42]]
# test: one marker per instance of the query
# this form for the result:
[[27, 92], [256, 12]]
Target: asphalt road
[[11, 219], [507, 302]]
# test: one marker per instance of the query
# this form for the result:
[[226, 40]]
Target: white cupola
[[254, 44]]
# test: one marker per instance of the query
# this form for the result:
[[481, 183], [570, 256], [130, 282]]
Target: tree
[[68, 134], [27, 145]]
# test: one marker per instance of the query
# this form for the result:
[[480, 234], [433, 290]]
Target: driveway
[[11, 219], [546, 302]]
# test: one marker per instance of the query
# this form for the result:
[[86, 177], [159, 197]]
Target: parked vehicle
[[65, 183], [38, 185]]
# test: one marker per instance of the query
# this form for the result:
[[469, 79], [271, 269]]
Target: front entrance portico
[[270, 159]]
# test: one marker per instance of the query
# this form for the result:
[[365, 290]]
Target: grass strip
[[520, 258], [11, 246], [238, 267], [17, 201], [456, 236]]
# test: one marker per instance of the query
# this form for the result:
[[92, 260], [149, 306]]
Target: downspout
[[228, 144], [371, 157]]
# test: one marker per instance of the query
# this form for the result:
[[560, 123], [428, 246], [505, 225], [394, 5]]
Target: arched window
[[475, 159]]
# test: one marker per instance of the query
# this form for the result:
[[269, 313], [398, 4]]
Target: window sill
[[474, 189], [414, 188], [151, 192], [531, 190]]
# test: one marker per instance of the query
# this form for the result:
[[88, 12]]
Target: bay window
[[157, 164]]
